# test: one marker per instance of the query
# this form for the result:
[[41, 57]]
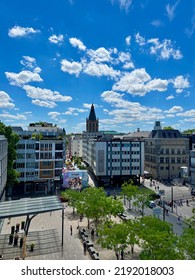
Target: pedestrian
[[122, 254], [187, 202], [179, 220], [85, 247], [70, 229], [92, 234], [117, 255]]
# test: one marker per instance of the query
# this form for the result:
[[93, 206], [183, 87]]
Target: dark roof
[[139, 134], [92, 116], [165, 133]]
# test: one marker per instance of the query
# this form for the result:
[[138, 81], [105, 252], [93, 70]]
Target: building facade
[[76, 145], [166, 152], [40, 161], [114, 161], [3, 166]]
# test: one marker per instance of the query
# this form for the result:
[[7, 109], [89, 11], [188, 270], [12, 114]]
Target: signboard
[[75, 179]]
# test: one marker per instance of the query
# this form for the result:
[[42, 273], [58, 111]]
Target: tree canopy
[[12, 139]]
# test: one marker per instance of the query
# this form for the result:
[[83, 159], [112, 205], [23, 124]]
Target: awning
[[30, 207]]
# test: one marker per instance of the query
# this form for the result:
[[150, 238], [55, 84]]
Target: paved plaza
[[46, 233]]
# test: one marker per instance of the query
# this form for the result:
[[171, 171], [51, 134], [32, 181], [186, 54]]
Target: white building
[[116, 160], [76, 145], [3, 166]]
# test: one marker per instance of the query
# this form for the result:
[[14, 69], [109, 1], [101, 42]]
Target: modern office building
[[40, 160], [114, 161], [3, 166], [166, 152]]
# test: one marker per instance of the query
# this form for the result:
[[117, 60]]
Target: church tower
[[92, 124]]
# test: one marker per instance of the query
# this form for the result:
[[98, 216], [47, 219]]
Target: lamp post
[[172, 199]]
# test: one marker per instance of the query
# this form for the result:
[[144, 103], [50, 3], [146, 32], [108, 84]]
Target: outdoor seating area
[[83, 234]]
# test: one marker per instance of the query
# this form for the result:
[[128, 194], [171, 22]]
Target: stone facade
[[166, 151]]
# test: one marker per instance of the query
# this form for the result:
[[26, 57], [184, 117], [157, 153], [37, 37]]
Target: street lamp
[[172, 198]]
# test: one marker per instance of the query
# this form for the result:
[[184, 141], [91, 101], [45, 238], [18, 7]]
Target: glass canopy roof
[[29, 206]]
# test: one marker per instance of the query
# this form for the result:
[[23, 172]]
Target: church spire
[[92, 123], [92, 116]]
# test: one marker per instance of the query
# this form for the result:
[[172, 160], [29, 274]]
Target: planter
[[32, 247], [11, 239], [21, 242], [22, 224], [12, 229], [17, 227], [15, 240]]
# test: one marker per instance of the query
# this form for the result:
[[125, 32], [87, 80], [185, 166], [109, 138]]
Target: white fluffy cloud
[[43, 103], [71, 67], [162, 50], [5, 101], [128, 40], [170, 97], [56, 39], [54, 115], [10, 117], [23, 77], [189, 113], [45, 94], [174, 109], [18, 31], [100, 69], [139, 82], [77, 43], [100, 55], [45, 97], [180, 83], [127, 111]]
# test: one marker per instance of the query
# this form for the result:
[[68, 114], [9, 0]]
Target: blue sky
[[133, 59]]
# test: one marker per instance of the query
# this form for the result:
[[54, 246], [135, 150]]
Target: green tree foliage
[[189, 131], [142, 197], [12, 139], [73, 197], [168, 128], [157, 240], [129, 190], [113, 236], [187, 243], [96, 205], [139, 196]]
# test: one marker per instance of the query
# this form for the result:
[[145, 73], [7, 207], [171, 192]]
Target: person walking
[[85, 247], [179, 220], [70, 229], [92, 234]]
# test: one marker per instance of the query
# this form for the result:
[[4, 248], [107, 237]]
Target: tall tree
[[96, 205], [113, 236], [12, 139], [129, 191], [158, 241]]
